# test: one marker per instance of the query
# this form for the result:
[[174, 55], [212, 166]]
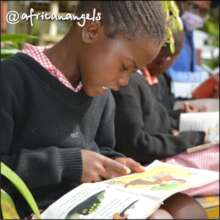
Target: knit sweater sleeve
[[53, 164], [135, 140], [105, 137]]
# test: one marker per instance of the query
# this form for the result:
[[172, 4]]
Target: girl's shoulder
[[11, 66]]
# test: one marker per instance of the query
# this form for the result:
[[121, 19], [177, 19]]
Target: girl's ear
[[90, 32], [168, 58], [164, 60]]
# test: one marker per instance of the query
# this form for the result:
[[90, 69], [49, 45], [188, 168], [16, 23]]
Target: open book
[[201, 121], [135, 196]]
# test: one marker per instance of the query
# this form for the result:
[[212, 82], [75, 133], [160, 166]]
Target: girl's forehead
[[141, 49]]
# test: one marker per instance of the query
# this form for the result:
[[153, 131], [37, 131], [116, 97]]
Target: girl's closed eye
[[128, 69], [124, 68]]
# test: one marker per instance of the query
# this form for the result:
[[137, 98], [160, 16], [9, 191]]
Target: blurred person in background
[[193, 15]]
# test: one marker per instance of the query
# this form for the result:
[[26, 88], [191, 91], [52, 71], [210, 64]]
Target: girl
[[56, 111], [144, 127]]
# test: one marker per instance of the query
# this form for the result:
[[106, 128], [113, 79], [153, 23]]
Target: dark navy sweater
[[44, 126], [143, 125]]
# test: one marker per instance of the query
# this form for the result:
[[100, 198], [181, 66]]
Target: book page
[[100, 201], [162, 180], [211, 105], [135, 196], [201, 121]]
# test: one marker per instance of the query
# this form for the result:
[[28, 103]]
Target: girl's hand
[[175, 132], [132, 165], [96, 167], [190, 108]]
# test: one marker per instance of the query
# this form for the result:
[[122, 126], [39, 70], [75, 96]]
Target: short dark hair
[[215, 3], [128, 17]]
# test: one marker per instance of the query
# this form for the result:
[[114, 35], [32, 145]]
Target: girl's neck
[[63, 55]]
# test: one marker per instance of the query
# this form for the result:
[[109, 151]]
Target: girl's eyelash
[[126, 68]]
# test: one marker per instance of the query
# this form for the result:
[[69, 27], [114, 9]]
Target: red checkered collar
[[151, 80], [37, 53]]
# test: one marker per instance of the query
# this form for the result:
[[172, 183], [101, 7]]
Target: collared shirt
[[151, 80], [37, 53]]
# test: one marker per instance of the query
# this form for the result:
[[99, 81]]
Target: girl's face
[[161, 63], [107, 63]]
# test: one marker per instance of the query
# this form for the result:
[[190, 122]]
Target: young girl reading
[[144, 127], [56, 110]]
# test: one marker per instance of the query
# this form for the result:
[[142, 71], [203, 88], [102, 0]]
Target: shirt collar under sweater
[[151, 80]]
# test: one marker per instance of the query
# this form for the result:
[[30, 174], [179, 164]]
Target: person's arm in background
[[135, 141], [105, 137], [166, 98]]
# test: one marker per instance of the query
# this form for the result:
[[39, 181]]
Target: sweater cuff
[[194, 137], [199, 137], [111, 153], [72, 165]]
